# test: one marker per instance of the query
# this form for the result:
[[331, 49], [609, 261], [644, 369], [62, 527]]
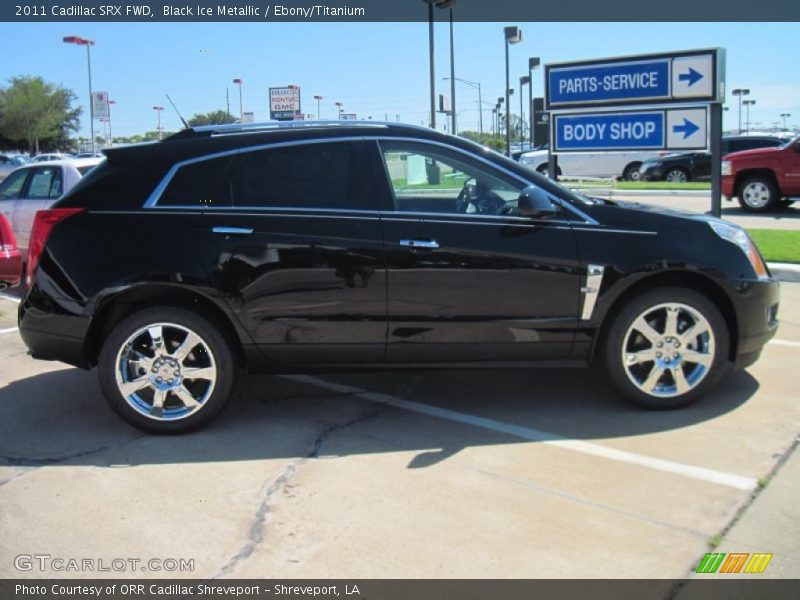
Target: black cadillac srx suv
[[173, 266]]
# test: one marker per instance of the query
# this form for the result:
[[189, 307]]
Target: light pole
[[319, 114], [239, 82], [74, 39], [512, 35], [476, 85], [533, 64], [739, 92], [158, 110], [110, 137], [339, 107], [525, 79], [785, 116], [438, 4], [748, 104], [454, 131]]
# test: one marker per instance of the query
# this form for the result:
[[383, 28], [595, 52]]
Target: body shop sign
[[284, 103]]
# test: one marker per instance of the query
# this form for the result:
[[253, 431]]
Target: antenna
[[185, 124]]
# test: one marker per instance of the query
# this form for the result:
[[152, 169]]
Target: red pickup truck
[[763, 179]]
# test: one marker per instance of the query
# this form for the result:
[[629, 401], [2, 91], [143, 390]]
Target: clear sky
[[375, 69]]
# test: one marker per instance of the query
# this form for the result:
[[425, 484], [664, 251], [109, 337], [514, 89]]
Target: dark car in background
[[338, 247], [696, 166]]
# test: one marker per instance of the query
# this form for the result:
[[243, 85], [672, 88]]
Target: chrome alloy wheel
[[165, 371], [676, 176], [756, 194], [668, 350]]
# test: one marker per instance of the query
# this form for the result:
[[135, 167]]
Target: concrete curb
[[785, 272]]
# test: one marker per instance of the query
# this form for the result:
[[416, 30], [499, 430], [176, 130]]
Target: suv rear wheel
[[666, 348], [166, 370], [758, 194]]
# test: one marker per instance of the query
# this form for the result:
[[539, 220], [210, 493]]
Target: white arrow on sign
[[693, 76], [687, 128]]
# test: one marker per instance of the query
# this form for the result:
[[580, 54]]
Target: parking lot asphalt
[[481, 473]]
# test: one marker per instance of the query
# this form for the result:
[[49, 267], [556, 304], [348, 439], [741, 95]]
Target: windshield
[[790, 142]]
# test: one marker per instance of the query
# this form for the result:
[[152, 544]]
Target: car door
[[294, 247], [468, 279], [44, 186]]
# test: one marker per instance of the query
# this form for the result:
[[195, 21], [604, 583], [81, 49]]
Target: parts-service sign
[[284, 102]]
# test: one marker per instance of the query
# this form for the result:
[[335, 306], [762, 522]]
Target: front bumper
[[654, 173], [756, 307], [727, 185]]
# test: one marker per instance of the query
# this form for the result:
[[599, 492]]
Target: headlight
[[727, 169], [737, 235]]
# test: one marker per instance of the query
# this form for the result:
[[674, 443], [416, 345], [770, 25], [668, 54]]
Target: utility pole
[[513, 35]]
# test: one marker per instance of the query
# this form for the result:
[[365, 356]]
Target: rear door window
[[45, 183], [320, 175]]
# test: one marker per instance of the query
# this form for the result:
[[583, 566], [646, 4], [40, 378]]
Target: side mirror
[[535, 203]]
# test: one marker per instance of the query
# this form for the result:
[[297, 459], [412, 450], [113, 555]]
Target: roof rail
[[266, 126]]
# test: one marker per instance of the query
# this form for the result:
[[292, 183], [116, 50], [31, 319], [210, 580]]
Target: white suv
[[624, 165]]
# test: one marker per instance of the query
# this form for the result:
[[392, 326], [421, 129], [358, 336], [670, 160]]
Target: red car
[[763, 179], [10, 259]]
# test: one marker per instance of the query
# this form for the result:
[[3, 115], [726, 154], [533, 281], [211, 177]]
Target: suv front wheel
[[166, 370], [666, 348]]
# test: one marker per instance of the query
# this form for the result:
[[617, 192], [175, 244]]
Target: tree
[[33, 110], [493, 141], [216, 117]]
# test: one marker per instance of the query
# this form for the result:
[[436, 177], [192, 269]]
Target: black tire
[[758, 194], [545, 170], [611, 347], [218, 346], [677, 175], [631, 172]]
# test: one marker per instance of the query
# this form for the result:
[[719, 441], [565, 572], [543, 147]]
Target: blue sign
[[692, 75], [609, 82], [610, 131]]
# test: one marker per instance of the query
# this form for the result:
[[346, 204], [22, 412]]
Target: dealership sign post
[[670, 101], [284, 103], [100, 109]]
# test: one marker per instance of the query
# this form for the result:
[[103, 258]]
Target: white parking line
[[535, 435], [785, 343], [9, 330]]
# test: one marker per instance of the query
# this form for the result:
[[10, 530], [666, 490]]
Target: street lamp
[[339, 106], [512, 35], [785, 116], [158, 110], [524, 80], [239, 82], [533, 64], [476, 85], [739, 92], [748, 104], [319, 114], [74, 39]]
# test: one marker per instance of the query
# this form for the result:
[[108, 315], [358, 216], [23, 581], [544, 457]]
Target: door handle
[[430, 244], [232, 230]]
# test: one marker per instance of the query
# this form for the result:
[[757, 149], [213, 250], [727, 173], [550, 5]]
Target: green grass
[[777, 245], [662, 185]]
